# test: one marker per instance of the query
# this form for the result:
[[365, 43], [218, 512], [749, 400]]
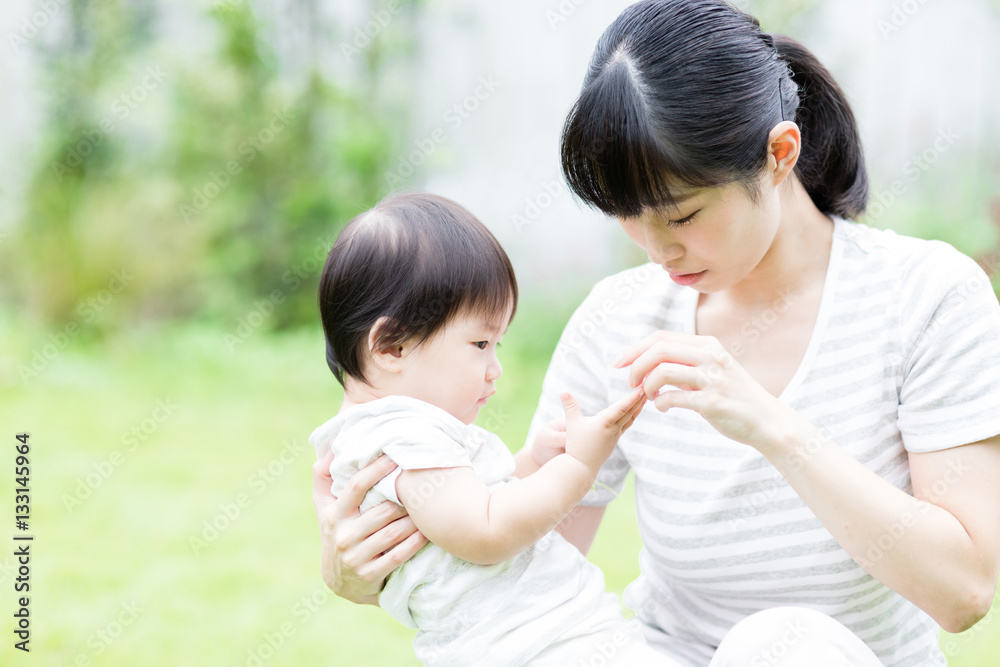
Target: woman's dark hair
[[683, 93], [416, 259]]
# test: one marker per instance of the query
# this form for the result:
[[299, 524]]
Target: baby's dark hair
[[417, 260]]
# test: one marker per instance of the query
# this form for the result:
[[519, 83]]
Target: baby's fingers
[[622, 411], [570, 406]]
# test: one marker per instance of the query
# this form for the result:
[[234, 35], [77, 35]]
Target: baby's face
[[457, 368]]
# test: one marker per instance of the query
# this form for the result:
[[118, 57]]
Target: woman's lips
[[686, 279]]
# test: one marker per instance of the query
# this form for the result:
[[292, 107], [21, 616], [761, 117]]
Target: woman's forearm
[[914, 547]]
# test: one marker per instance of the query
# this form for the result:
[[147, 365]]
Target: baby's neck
[[356, 393]]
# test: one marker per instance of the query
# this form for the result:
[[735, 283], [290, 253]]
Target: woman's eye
[[682, 221], [481, 344]]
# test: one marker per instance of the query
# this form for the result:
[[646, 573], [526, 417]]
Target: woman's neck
[[797, 258]]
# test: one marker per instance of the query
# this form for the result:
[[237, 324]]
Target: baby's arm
[[454, 509]]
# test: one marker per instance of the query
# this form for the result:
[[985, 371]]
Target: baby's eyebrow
[[487, 325]]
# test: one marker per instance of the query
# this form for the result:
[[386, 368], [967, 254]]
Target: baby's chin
[[469, 417]]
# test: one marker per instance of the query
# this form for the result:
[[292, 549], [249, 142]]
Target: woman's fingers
[[675, 375], [360, 483], [323, 499], [362, 528], [381, 567], [672, 352], [634, 351]]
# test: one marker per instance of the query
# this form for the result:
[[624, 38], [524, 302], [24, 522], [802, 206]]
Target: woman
[[834, 461]]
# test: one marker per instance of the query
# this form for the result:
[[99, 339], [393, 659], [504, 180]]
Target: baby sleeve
[[417, 443], [950, 394]]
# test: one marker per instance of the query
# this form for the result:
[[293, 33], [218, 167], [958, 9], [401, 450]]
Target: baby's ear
[[385, 357]]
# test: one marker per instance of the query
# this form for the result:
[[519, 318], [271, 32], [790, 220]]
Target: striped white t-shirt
[[904, 356]]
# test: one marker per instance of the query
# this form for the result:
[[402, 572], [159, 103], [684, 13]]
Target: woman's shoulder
[[919, 266]]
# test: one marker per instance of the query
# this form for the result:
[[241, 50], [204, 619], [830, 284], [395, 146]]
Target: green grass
[[118, 577]]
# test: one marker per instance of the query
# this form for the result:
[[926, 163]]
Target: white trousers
[[792, 636], [778, 637]]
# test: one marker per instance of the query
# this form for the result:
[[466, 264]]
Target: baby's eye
[[481, 344]]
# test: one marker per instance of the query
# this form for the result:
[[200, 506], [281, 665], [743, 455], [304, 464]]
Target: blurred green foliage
[[212, 184]]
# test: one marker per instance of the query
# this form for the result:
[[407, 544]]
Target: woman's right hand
[[360, 550]]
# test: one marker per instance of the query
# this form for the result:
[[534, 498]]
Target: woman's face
[[712, 239]]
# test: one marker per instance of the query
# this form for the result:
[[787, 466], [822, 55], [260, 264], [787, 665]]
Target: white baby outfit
[[468, 614]]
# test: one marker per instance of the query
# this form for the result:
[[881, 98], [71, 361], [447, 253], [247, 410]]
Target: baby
[[415, 297]]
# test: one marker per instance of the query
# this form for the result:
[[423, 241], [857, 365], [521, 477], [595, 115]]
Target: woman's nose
[[660, 252], [661, 248]]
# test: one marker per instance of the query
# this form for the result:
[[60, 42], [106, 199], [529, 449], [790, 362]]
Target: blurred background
[[172, 175]]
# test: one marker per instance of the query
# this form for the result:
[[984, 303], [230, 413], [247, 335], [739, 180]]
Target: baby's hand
[[550, 442], [592, 439]]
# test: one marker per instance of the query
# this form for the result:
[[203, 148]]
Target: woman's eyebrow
[[683, 197]]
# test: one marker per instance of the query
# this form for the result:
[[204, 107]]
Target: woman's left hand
[[704, 377]]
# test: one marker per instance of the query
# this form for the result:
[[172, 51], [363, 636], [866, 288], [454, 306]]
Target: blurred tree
[[173, 185]]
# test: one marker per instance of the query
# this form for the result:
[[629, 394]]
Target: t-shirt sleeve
[[580, 366], [417, 444], [950, 393]]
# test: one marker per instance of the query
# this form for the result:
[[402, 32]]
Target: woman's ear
[[784, 144], [386, 358]]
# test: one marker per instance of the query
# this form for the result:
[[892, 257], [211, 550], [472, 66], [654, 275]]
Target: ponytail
[[831, 166]]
